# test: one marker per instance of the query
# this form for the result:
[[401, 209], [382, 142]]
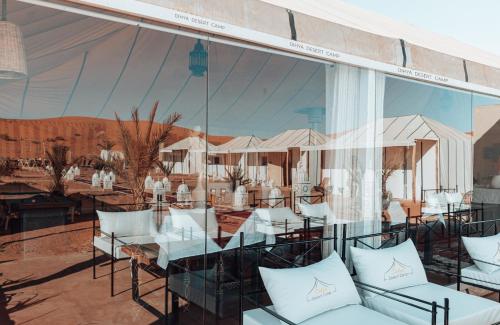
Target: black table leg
[[428, 245], [134, 268]]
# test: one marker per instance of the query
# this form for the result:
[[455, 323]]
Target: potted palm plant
[[58, 159], [141, 149]]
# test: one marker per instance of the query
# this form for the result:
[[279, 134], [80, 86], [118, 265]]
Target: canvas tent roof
[[345, 29], [84, 66], [396, 132], [292, 139], [191, 144], [355, 17], [240, 144]]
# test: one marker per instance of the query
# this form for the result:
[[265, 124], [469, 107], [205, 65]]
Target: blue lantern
[[198, 60]]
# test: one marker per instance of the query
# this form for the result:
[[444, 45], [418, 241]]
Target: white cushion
[[304, 292], [474, 275], [437, 200], [319, 210], [197, 215], [465, 309], [486, 249], [454, 198], [390, 268], [131, 223], [104, 243], [277, 215], [347, 315], [396, 212]]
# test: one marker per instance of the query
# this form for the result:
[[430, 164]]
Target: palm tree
[[58, 159], [141, 148]]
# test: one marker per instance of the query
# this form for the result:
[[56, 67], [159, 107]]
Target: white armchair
[[137, 227]]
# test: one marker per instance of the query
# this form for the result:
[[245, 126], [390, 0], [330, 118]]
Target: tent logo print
[[496, 257], [319, 290], [397, 270]]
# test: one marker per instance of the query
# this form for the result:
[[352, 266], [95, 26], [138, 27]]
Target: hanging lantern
[[12, 57], [198, 60]]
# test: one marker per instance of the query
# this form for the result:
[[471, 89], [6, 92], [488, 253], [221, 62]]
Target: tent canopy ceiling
[[83, 66]]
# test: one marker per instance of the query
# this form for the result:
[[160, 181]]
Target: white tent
[[440, 153], [187, 154], [240, 144], [292, 139], [242, 151], [288, 145]]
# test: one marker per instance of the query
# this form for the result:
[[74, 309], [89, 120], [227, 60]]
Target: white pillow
[[389, 268], [277, 215], [454, 198], [319, 210], [304, 292], [130, 223], [485, 249]]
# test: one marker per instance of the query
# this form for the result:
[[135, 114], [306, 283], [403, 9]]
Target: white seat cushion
[[104, 243], [348, 315], [319, 210], [474, 275], [465, 309]]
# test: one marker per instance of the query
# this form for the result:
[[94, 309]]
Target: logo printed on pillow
[[320, 289], [397, 270]]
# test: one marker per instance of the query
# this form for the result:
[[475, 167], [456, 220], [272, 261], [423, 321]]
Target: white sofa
[[134, 227]]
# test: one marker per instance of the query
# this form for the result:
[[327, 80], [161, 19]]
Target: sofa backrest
[[130, 223]]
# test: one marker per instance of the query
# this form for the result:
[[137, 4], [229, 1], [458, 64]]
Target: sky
[[475, 22]]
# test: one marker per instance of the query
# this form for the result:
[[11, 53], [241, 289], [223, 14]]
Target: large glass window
[[132, 160]]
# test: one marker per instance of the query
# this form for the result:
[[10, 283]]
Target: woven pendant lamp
[[12, 56]]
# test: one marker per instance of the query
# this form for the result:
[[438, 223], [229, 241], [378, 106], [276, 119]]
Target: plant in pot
[[140, 142], [236, 177], [58, 160]]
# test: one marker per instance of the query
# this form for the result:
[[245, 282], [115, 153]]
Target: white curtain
[[354, 100]]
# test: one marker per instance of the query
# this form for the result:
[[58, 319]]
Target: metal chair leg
[[112, 264]]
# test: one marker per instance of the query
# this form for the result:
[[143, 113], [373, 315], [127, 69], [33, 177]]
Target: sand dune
[[30, 138]]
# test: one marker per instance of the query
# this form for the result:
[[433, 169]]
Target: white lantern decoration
[[107, 183], [102, 174], [96, 180], [167, 186], [275, 198], [149, 183], [183, 193], [112, 175], [158, 191], [77, 171], [240, 198]]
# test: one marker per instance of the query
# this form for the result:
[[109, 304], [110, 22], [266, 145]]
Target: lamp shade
[[12, 55]]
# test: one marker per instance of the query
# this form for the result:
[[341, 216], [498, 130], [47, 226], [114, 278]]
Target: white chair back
[[131, 223], [396, 212]]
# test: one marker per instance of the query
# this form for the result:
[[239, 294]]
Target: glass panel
[[69, 146], [427, 162], [486, 153]]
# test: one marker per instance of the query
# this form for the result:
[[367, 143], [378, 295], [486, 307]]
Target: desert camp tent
[[284, 152], [187, 155], [425, 153], [242, 151]]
